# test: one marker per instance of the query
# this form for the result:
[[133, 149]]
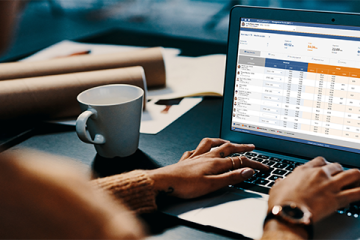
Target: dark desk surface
[[157, 150]]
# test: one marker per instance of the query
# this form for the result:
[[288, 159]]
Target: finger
[[243, 161], [233, 163], [316, 162], [206, 144], [278, 180], [186, 155], [221, 165], [348, 196], [230, 148], [347, 178], [230, 178], [332, 169]]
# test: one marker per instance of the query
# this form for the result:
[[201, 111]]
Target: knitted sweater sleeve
[[134, 189]]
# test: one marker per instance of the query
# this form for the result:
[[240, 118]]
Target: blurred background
[[45, 22]]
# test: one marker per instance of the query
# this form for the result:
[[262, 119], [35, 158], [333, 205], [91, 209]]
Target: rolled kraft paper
[[54, 97], [151, 59]]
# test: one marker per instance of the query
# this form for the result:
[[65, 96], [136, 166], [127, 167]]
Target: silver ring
[[241, 162], [232, 161]]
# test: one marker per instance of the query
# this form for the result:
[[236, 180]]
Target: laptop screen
[[299, 82]]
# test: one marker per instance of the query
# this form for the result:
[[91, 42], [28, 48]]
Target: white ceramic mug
[[112, 115]]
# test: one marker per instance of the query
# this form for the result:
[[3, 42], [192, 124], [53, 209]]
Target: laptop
[[292, 87]]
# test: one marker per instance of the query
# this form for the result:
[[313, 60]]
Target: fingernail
[[250, 145], [247, 173]]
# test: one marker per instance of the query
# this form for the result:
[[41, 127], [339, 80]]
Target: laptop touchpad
[[236, 211]]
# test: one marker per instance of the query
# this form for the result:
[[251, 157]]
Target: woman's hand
[[320, 186], [202, 171]]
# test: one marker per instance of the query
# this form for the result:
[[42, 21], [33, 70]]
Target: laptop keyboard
[[280, 168], [352, 211]]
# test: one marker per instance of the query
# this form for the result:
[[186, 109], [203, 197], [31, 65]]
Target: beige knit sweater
[[44, 198], [135, 189]]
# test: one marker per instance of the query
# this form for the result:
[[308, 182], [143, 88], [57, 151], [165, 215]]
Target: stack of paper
[[185, 77], [48, 89]]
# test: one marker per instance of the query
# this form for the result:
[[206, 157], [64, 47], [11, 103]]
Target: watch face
[[293, 212]]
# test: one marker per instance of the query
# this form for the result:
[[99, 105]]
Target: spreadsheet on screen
[[299, 82]]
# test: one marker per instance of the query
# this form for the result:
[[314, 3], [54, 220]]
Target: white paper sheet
[[153, 120], [189, 76], [66, 48]]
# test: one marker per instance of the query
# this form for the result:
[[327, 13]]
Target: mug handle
[[81, 128]]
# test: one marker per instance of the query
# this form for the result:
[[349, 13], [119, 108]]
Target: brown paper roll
[[52, 97], [151, 59]]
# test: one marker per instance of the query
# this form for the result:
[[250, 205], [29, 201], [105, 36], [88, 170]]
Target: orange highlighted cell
[[334, 70], [322, 71], [310, 69]]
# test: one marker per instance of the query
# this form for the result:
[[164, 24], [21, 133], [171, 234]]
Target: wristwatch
[[292, 213]]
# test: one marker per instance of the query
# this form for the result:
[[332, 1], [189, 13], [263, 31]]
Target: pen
[[76, 54]]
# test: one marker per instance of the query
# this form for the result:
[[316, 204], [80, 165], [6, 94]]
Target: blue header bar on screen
[[283, 64]]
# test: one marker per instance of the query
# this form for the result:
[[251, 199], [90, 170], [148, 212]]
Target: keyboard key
[[280, 165], [250, 154], [268, 171], [298, 164], [263, 175], [354, 209], [258, 159], [355, 204], [261, 181], [274, 177], [275, 159], [272, 162], [290, 168], [263, 157], [251, 180], [279, 172], [351, 211], [270, 184], [235, 155], [341, 211], [288, 161], [268, 162]]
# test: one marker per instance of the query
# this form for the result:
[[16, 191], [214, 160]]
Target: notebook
[[292, 87]]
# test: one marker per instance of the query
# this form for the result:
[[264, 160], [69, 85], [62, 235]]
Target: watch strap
[[308, 228]]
